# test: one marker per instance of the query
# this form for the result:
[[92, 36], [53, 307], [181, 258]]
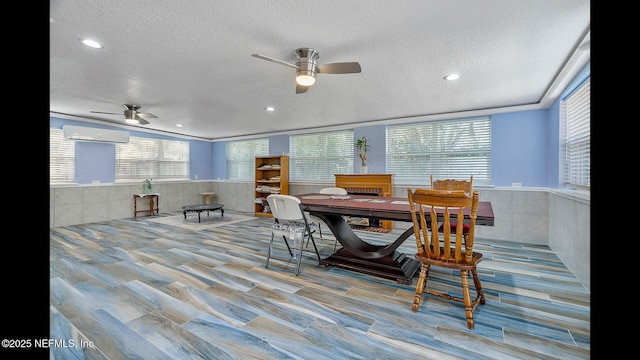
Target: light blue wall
[[519, 149], [200, 160], [524, 149], [219, 155], [95, 162], [278, 145], [520, 152], [377, 156]]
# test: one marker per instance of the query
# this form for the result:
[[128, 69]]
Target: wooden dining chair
[[454, 184], [446, 248]]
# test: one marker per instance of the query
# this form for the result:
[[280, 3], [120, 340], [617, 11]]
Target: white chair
[[333, 191], [291, 223], [329, 191]]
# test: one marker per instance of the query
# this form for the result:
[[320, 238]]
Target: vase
[[148, 189], [363, 169]]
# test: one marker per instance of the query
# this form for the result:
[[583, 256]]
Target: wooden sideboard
[[368, 184]]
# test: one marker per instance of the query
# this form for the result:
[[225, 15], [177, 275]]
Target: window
[[319, 156], [241, 157], [62, 154], [444, 149], [157, 159], [575, 138]]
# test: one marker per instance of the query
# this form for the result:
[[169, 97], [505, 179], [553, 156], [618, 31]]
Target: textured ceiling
[[189, 61]]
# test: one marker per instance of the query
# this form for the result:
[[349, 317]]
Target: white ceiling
[[189, 61]]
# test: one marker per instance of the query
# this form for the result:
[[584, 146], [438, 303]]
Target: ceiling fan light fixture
[[307, 67], [130, 117], [305, 78]]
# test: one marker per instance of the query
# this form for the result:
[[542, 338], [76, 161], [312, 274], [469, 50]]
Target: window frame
[[332, 153], [152, 158], [575, 138], [444, 149], [62, 158], [241, 162]]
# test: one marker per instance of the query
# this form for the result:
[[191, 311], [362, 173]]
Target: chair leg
[[287, 243], [314, 246], [319, 231], [422, 282], [299, 250], [269, 251], [478, 285], [468, 304]]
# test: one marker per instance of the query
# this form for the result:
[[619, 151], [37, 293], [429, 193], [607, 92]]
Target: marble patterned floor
[[134, 289]]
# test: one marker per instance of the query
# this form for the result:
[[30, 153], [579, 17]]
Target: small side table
[[153, 208], [207, 196]]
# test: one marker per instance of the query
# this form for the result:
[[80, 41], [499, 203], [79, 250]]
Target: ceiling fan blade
[[263, 57], [141, 121], [102, 112], [340, 68], [148, 115], [301, 89]]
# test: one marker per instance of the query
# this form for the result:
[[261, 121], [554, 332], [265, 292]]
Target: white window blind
[[148, 158], [319, 156], [575, 138], [445, 149], [241, 157], [62, 155]]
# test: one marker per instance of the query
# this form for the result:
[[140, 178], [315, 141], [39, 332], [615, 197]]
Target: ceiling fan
[[307, 67], [131, 114]]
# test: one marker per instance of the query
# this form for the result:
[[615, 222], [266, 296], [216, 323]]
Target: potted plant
[[362, 147], [148, 186]]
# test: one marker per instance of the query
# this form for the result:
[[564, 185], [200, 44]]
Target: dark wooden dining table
[[361, 256]]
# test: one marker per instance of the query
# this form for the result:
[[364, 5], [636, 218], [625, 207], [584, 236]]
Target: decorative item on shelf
[[148, 186], [363, 147]]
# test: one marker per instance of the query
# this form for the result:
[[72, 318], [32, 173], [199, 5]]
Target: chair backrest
[[453, 184], [285, 207], [333, 191], [450, 204]]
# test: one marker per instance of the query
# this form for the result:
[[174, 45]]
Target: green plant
[[363, 147]]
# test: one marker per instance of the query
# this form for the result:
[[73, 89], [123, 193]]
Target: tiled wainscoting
[[525, 215]]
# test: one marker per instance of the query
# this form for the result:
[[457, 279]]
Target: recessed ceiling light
[[179, 125], [91, 43], [452, 76], [270, 108]]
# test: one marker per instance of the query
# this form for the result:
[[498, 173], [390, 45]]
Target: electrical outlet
[[196, 177], [516, 184]]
